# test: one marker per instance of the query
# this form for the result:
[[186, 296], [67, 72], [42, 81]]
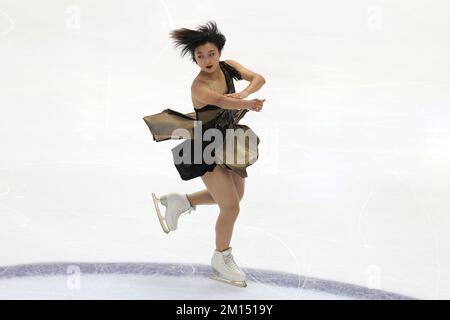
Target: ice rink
[[349, 198]]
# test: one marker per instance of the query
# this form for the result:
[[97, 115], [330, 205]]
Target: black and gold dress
[[163, 126]]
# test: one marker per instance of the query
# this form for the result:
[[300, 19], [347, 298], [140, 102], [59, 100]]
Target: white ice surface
[[147, 287], [352, 182]]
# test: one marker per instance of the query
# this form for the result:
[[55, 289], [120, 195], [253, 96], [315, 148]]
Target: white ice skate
[[226, 270], [175, 204]]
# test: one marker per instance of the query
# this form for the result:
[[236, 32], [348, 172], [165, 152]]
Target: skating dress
[[163, 124]]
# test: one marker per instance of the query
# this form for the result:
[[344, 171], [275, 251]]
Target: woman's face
[[207, 57]]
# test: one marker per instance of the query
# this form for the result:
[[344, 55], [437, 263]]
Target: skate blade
[[158, 212], [241, 284]]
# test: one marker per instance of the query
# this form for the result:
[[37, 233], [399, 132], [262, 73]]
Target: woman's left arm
[[256, 80]]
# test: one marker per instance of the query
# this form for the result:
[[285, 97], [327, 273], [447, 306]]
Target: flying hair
[[188, 39]]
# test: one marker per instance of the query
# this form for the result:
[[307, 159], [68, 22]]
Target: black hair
[[190, 39]]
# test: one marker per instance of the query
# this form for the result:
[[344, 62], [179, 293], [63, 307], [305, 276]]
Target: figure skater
[[217, 106]]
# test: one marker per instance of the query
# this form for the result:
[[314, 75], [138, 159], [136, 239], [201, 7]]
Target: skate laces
[[188, 210], [190, 207], [184, 210], [230, 263]]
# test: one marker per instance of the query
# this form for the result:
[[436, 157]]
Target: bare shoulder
[[197, 86], [246, 73], [198, 83], [233, 63]]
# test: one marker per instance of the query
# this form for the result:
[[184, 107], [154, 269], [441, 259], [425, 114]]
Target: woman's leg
[[239, 183], [200, 197], [204, 197], [220, 185]]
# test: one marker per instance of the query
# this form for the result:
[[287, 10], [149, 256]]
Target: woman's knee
[[240, 192], [230, 207]]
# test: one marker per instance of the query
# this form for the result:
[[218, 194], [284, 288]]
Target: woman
[[217, 107]]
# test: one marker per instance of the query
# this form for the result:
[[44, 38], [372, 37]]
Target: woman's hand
[[255, 104], [238, 95]]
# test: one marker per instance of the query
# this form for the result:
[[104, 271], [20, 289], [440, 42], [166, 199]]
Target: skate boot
[[226, 270], [176, 204]]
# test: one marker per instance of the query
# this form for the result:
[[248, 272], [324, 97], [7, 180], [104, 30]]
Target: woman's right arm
[[208, 96]]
